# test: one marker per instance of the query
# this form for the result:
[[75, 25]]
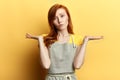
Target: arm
[[44, 55], [80, 52]]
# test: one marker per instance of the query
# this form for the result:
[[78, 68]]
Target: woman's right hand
[[28, 35]]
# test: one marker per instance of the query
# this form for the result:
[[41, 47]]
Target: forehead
[[60, 11]]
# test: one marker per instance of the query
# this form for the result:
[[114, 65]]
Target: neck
[[63, 33]]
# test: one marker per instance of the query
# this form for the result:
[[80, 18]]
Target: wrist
[[41, 38], [85, 40]]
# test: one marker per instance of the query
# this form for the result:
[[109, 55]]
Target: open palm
[[87, 38]]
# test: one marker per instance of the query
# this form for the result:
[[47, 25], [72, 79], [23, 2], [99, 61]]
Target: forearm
[[34, 37], [79, 58], [80, 54], [44, 55]]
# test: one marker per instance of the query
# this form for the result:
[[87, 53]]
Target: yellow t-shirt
[[78, 39]]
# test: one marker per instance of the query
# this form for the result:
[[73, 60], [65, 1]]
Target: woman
[[61, 51]]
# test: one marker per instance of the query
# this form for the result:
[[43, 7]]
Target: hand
[[87, 38], [28, 35]]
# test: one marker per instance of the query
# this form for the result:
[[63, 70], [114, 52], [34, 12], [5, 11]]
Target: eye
[[62, 15]]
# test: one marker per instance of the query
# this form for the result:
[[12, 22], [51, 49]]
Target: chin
[[62, 28]]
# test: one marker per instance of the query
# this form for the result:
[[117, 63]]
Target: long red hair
[[52, 35]]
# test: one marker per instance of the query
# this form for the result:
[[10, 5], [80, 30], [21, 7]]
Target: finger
[[98, 37], [102, 37]]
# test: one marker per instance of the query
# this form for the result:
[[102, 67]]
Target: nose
[[59, 20]]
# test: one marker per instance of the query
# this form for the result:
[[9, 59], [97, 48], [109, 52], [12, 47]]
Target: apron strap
[[74, 46]]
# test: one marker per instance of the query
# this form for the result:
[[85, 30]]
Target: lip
[[61, 24]]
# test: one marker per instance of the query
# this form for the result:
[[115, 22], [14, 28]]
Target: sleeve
[[43, 35], [78, 39]]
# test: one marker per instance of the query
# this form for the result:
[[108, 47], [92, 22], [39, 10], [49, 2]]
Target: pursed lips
[[60, 24]]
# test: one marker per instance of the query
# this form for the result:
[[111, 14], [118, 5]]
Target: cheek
[[55, 23], [66, 19]]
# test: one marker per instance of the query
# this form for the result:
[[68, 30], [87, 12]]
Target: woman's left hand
[[87, 38]]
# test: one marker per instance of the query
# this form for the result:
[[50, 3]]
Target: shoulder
[[43, 35], [77, 36], [78, 39]]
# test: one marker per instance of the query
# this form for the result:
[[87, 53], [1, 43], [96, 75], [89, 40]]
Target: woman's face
[[61, 19]]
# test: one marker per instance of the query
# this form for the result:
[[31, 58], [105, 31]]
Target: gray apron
[[62, 57]]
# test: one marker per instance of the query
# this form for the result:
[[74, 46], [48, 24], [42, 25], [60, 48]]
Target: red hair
[[52, 35]]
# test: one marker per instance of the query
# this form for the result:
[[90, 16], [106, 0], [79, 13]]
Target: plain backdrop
[[19, 57]]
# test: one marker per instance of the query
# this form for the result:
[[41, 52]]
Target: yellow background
[[19, 57]]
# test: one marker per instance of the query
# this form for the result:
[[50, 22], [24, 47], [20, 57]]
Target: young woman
[[61, 51]]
